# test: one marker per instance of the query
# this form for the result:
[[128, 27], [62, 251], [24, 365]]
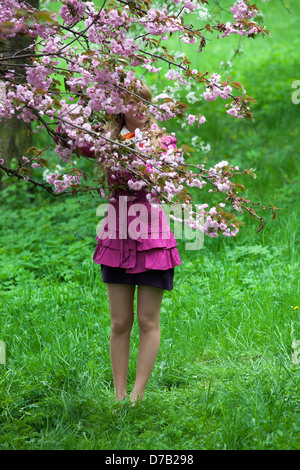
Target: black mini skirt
[[154, 277]]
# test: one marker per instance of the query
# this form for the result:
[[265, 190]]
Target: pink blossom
[[235, 111], [191, 119], [223, 187], [240, 11], [136, 185], [225, 93], [221, 164], [150, 68], [152, 22], [171, 74], [64, 153], [37, 77], [50, 179], [188, 39], [190, 5], [211, 93], [72, 11], [201, 120]]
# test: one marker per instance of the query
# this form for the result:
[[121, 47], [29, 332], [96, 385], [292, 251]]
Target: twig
[[85, 30], [20, 177]]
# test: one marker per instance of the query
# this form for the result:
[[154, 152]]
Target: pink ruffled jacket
[[137, 243]]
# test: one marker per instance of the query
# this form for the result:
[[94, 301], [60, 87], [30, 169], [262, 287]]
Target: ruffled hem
[[135, 261], [138, 256]]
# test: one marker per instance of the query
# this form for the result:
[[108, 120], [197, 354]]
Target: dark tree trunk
[[15, 134]]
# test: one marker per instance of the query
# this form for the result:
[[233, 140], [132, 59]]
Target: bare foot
[[136, 398], [119, 400]]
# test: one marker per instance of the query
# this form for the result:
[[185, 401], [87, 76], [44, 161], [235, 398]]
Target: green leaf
[[46, 16]]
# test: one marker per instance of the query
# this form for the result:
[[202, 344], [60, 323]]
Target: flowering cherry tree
[[81, 69]]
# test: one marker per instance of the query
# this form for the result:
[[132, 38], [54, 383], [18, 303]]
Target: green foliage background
[[224, 378]]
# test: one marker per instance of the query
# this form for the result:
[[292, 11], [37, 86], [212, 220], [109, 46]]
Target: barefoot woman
[[127, 263]]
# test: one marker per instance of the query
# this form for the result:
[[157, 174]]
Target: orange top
[[130, 135]]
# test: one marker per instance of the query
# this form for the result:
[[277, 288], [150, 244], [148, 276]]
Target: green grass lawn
[[225, 377]]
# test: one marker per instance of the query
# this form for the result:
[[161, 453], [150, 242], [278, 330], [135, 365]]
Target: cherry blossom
[[94, 65]]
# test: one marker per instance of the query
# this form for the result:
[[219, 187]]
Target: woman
[[126, 262]]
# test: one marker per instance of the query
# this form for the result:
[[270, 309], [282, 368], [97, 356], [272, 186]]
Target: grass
[[224, 377]]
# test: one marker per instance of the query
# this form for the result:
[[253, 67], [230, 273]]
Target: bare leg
[[121, 308], [148, 311]]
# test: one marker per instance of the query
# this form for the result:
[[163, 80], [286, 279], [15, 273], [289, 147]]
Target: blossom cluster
[[62, 185], [241, 10], [190, 5], [216, 89], [242, 13]]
